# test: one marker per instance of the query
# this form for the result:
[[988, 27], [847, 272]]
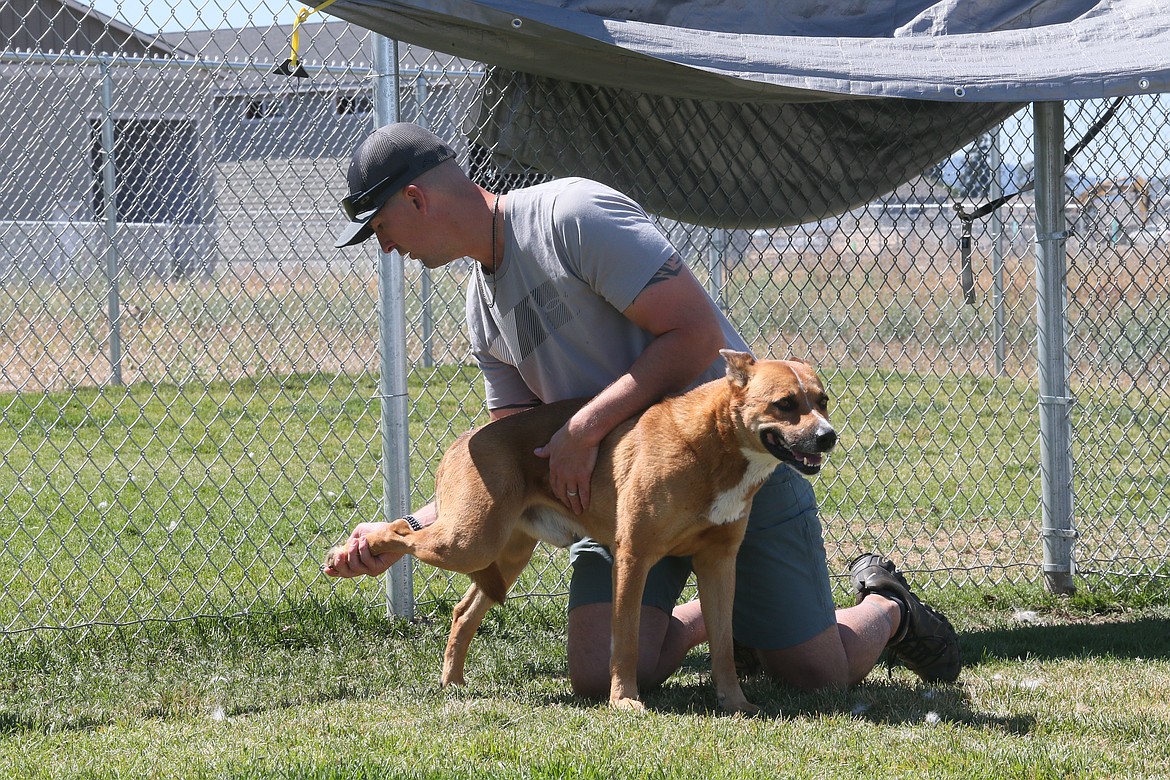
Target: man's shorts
[[782, 592]]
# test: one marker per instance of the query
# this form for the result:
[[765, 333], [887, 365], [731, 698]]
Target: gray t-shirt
[[577, 254]]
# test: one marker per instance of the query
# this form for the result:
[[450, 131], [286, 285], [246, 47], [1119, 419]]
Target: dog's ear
[[738, 366]]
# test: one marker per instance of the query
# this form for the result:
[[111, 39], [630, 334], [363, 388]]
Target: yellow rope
[[302, 15]]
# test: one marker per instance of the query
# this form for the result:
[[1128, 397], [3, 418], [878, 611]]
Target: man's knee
[[589, 682], [814, 665], [589, 647], [806, 674], [588, 650], [588, 669]]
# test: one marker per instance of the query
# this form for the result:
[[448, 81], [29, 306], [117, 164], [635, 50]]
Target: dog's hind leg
[[476, 602], [465, 622], [715, 575]]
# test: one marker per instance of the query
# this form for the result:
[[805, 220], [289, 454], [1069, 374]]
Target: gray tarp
[[753, 114]]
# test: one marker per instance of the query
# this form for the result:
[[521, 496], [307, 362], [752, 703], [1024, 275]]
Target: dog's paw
[[449, 679], [331, 556], [627, 705], [739, 707]]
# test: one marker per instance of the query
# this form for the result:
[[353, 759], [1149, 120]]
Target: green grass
[[331, 690], [195, 517], [166, 501]]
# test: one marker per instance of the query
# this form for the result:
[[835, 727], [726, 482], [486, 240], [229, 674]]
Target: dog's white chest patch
[[729, 506], [553, 527]]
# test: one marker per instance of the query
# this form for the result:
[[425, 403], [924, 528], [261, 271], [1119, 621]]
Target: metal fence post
[[716, 263], [110, 196], [997, 289], [392, 348], [426, 285], [1056, 531]]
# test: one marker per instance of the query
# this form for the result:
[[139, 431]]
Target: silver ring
[[570, 492]]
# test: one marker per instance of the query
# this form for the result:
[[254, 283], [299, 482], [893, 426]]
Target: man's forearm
[[425, 515], [668, 365]]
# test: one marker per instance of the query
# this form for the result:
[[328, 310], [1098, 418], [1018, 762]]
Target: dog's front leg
[[715, 576], [629, 580]]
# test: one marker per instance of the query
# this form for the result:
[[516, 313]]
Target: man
[[575, 293]]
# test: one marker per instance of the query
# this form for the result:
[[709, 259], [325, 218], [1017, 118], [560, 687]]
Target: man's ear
[[739, 365], [415, 196]]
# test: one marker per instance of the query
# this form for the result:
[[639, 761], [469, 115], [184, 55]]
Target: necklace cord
[[495, 219], [490, 295]]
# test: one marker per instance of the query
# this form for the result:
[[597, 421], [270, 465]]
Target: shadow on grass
[[1138, 638], [17, 722], [287, 703], [322, 645], [877, 701]]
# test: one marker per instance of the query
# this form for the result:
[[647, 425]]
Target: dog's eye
[[784, 404]]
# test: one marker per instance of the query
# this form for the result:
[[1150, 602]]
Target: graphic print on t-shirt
[[530, 322]]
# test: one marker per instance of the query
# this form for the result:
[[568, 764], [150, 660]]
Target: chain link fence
[[189, 370]]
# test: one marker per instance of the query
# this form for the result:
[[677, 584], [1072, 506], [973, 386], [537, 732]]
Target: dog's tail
[[491, 582]]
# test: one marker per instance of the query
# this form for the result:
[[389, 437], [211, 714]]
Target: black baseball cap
[[387, 160]]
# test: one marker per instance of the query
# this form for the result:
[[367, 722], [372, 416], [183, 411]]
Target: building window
[[353, 105], [263, 108], [156, 162]]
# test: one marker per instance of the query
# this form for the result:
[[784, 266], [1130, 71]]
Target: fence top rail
[[206, 63]]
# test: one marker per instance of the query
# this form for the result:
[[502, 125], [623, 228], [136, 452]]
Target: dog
[[676, 480]]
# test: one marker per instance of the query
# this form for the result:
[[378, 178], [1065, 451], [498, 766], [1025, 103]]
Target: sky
[[178, 15]]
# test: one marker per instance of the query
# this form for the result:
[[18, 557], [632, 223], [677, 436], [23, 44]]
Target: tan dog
[[677, 480]]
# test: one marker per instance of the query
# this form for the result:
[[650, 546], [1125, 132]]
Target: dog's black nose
[[826, 440]]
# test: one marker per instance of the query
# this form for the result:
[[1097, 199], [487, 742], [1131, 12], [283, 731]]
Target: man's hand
[[570, 467], [674, 308], [353, 557]]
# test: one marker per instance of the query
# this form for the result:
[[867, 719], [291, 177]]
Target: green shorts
[[782, 593]]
